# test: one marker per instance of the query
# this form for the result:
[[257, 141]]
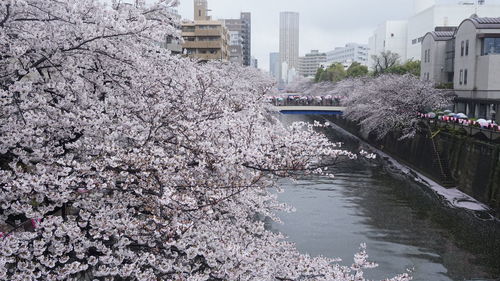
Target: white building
[[389, 36], [473, 52], [352, 52], [405, 37], [477, 67], [438, 54], [309, 64], [289, 42], [442, 15], [236, 47]]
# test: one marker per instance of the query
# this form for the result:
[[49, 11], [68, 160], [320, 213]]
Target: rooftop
[[485, 22]]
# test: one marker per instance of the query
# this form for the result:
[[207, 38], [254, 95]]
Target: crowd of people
[[295, 100]]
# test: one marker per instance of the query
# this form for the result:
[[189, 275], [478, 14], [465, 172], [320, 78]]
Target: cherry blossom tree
[[119, 161], [391, 103]]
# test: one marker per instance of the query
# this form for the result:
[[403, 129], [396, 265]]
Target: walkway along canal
[[404, 223]]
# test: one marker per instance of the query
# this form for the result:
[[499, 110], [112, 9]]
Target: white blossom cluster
[[390, 102], [119, 161], [384, 103]]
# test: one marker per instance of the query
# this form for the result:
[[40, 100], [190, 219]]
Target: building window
[[461, 76], [465, 77], [462, 49], [467, 47], [490, 46]]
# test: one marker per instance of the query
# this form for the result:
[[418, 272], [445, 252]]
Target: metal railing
[[490, 134]]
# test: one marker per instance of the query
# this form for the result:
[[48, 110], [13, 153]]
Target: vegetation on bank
[[385, 63]]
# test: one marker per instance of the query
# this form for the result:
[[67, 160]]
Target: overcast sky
[[324, 24]]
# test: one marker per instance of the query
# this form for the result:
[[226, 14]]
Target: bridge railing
[[492, 133], [305, 101]]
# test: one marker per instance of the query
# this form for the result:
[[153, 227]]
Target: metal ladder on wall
[[442, 166]]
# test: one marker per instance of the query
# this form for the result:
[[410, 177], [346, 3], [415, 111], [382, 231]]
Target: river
[[401, 225]]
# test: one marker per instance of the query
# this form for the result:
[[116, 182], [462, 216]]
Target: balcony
[[208, 32], [216, 56], [202, 44]]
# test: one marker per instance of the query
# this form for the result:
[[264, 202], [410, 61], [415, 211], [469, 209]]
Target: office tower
[[289, 44]]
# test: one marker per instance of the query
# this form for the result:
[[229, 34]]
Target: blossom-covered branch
[[119, 161]]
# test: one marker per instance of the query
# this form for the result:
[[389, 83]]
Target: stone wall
[[472, 165]]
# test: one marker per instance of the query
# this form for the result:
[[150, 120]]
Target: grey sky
[[324, 24]]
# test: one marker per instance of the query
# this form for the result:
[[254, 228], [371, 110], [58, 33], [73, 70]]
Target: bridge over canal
[[311, 109]]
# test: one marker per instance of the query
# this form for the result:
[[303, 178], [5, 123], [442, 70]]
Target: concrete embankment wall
[[473, 165]]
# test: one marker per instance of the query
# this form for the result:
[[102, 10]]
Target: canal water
[[403, 227]]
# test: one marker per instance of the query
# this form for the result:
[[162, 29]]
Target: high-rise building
[[240, 31], [405, 37], [309, 64], [274, 65], [352, 52], [289, 43], [246, 19]]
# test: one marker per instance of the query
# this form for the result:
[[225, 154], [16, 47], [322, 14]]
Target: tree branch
[[7, 15]]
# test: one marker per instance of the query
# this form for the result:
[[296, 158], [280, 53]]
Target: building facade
[[477, 67], [475, 47], [274, 65], [405, 37], [309, 64], [240, 31], [201, 10], [254, 62], [389, 36], [352, 52], [204, 38], [289, 44], [438, 55]]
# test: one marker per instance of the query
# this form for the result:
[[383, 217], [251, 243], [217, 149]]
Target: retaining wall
[[474, 165]]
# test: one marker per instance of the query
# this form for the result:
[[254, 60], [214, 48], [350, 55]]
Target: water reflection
[[402, 226]]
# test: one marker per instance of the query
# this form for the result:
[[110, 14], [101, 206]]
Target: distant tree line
[[385, 63]]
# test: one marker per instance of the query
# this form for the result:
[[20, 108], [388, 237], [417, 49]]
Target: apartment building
[[475, 48], [240, 45], [204, 38], [309, 64], [350, 53]]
